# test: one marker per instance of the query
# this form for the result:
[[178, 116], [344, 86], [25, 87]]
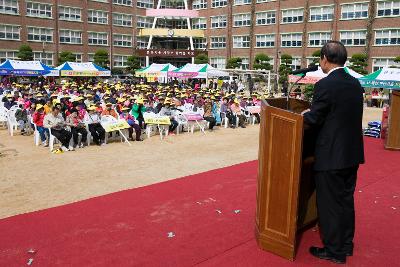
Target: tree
[[285, 68], [25, 53], [358, 63], [308, 92], [66, 56], [262, 62], [397, 59], [316, 57], [101, 58], [201, 59], [133, 63], [117, 71], [234, 63]]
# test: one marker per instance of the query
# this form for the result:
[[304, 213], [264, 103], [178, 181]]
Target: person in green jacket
[[137, 111]]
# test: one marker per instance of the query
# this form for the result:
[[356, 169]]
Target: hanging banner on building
[[168, 53]]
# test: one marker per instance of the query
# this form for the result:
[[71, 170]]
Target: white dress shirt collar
[[332, 70]]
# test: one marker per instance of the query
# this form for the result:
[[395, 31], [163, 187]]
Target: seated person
[[38, 117], [21, 115], [96, 130], [167, 111], [208, 115], [56, 123], [131, 121], [137, 111], [109, 111], [236, 114], [77, 127]]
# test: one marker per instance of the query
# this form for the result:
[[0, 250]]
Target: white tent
[[197, 71], [315, 76], [155, 71], [388, 78], [82, 69]]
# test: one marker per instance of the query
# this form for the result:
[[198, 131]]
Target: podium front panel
[[280, 159]]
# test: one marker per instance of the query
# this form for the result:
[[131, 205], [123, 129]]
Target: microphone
[[304, 71]]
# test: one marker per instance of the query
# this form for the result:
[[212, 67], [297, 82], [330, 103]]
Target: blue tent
[[26, 68]]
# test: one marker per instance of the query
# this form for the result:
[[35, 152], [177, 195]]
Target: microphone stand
[[290, 90]]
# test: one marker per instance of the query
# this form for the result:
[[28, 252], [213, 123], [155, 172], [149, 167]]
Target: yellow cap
[[39, 106]]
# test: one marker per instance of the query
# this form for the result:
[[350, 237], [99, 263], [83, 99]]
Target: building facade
[[220, 28]]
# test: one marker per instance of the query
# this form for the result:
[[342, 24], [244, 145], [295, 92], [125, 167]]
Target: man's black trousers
[[335, 202]]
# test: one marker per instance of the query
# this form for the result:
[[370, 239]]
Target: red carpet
[[130, 228]]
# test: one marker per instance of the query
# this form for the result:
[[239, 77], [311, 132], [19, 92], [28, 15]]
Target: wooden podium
[[286, 200], [393, 131]]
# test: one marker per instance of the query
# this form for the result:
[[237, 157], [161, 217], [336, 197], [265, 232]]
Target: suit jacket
[[336, 114]]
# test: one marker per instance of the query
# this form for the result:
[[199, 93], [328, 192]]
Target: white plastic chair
[[36, 134], [182, 123], [12, 121], [3, 116]]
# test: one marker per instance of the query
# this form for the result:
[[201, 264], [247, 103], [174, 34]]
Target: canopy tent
[[155, 71], [388, 78], [315, 76], [26, 68], [82, 69], [197, 71]]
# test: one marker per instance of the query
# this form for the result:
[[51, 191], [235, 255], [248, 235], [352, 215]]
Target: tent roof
[[158, 68], [81, 66], [388, 78], [24, 65]]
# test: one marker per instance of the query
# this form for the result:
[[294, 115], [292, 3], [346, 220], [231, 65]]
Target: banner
[[162, 120], [115, 126], [254, 109], [87, 73], [182, 74], [193, 116]]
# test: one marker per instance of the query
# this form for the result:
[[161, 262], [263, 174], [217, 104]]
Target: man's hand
[[305, 111]]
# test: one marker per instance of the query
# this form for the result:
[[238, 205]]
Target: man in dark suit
[[336, 114]]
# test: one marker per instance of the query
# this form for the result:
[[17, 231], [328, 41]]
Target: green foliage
[[358, 63], [133, 63], [262, 62], [284, 68], [66, 56], [308, 92], [234, 63], [316, 56], [101, 58], [117, 71], [397, 59], [25, 53], [201, 59]]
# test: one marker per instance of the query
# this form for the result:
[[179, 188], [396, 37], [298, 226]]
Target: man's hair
[[56, 108], [335, 52]]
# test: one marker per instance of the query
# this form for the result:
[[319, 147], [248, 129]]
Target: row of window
[[315, 39], [320, 13], [45, 10]]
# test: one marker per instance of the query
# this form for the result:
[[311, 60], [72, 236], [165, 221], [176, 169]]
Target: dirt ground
[[31, 178]]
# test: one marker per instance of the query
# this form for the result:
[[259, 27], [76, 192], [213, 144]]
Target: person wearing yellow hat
[[237, 114], [9, 101], [56, 123], [96, 130], [38, 118], [137, 111], [131, 121]]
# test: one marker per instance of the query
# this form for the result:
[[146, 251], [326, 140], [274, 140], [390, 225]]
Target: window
[[70, 37], [291, 39], [90, 57], [292, 15], [323, 13], [120, 61], [123, 2], [265, 18], [264, 1], [144, 22], [122, 40], [241, 41], [38, 10], [219, 3], [69, 13], [97, 38], [141, 42], [10, 32], [388, 8], [9, 7], [242, 20], [355, 11], [97, 16], [387, 37], [4, 55], [172, 4], [353, 37], [241, 2], [318, 38], [124, 20], [145, 3], [199, 23], [78, 57], [245, 63], [218, 22], [199, 43], [379, 63], [44, 57], [218, 42], [296, 63], [199, 4], [40, 34], [218, 62], [265, 40]]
